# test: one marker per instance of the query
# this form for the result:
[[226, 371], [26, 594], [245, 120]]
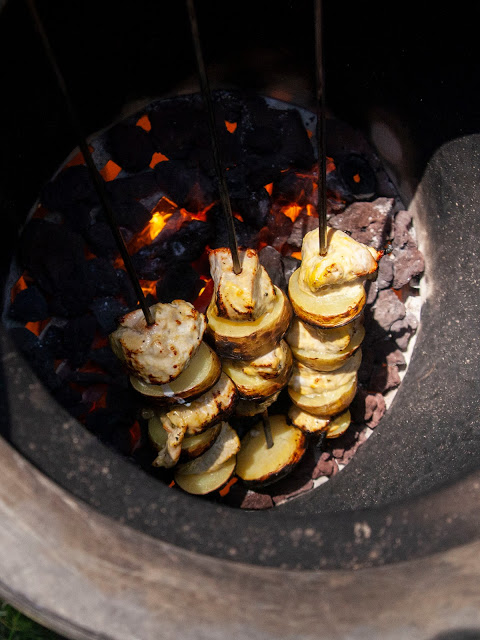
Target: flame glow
[[292, 211], [231, 126]]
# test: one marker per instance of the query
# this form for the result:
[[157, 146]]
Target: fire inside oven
[[70, 286]]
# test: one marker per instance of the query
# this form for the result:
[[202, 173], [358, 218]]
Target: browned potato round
[[327, 403], [334, 307], [201, 374], [195, 446], [307, 422], [246, 408], [249, 339], [203, 483], [339, 424], [258, 387], [223, 448], [259, 466]]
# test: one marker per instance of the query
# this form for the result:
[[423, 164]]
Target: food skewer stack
[[189, 398], [328, 295]]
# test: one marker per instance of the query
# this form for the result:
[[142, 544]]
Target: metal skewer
[[267, 429], [321, 135], [207, 98], [94, 173]]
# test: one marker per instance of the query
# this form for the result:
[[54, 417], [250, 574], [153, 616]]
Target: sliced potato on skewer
[[249, 339], [225, 446], [202, 483], [339, 424], [195, 446], [202, 373], [307, 422], [324, 349], [248, 408], [333, 307], [260, 386], [259, 466], [326, 403]]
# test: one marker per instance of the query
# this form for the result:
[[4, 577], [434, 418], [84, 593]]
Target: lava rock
[[388, 309], [326, 466], [366, 222], [384, 378]]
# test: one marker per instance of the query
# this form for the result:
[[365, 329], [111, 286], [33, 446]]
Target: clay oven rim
[[428, 519]]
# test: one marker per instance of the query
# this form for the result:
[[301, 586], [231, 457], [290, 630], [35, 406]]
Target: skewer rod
[[321, 129], [94, 173], [267, 429], [207, 98]]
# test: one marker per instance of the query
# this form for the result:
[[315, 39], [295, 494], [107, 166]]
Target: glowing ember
[[149, 287], [156, 158], [135, 434], [157, 223], [231, 126], [110, 171], [144, 123], [269, 188], [292, 211], [228, 486]]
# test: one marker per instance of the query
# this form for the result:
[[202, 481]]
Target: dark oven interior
[[405, 81]]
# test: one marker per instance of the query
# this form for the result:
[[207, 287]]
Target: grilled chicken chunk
[[159, 353], [246, 296]]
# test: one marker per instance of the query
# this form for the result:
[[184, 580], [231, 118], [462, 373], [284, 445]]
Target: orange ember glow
[[78, 158], [356, 178], [149, 286], [231, 126], [36, 327], [297, 255], [110, 171], [157, 223], [20, 285], [311, 211], [144, 123], [238, 217], [309, 133], [292, 211], [269, 188], [135, 434], [156, 158], [223, 492], [330, 165]]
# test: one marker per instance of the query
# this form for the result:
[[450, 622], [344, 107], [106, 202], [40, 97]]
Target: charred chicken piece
[[247, 315], [329, 291], [158, 354]]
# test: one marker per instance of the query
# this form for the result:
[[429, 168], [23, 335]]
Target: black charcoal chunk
[[54, 256], [39, 356], [141, 185], [130, 214], [107, 311], [188, 187], [245, 234], [297, 149], [291, 187], [130, 146], [177, 128], [104, 277], [71, 186], [78, 335], [107, 360], [126, 289], [100, 240], [29, 305], [271, 260], [178, 283], [254, 209]]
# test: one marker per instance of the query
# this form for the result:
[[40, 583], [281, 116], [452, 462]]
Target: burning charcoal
[[100, 240], [70, 399], [291, 187], [246, 236], [262, 140], [78, 216], [189, 242], [110, 426], [187, 187], [87, 378], [388, 309], [176, 127], [131, 214], [142, 185], [358, 176], [104, 277], [72, 186], [178, 283], [262, 170], [366, 222], [254, 209], [271, 259], [107, 310], [29, 305], [130, 147]]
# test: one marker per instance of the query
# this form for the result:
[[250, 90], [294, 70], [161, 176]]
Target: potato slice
[[225, 446], [333, 306], [307, 422], [339, 424], [257, 387], [259, 466], [324, 349], [327, 403], [202, 373], [194, 446], [249, 339], [202, 483]]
